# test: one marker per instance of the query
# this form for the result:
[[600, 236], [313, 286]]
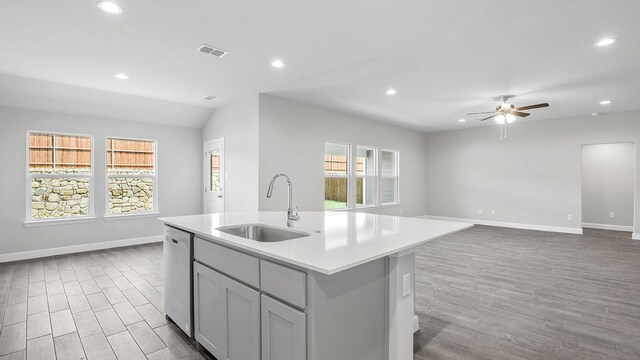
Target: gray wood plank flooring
[[484, 293], [98, 305], [495, 293]]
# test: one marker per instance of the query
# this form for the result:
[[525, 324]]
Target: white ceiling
[[445, 58]]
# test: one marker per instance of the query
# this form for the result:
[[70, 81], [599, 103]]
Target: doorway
[[608, 186], [214, 176]]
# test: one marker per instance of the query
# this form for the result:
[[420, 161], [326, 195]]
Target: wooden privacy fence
[[337, 164], [335, 189], [130, 154], [52, 151], [59, 151]]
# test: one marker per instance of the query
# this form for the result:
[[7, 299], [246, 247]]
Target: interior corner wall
[[292, 138], [532, 177], [238, 124], [608, 173], [179, 179]]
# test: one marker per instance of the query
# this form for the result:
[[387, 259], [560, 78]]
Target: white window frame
[[352, 176], [29, 219], [156, 211], [347, 176], [396, 177], [366, 177]]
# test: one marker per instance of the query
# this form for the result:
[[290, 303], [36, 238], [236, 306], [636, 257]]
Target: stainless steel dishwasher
[[178, 269]]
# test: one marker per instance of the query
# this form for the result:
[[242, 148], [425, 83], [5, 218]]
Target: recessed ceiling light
[[122, 76], [391, 91], [606, 42], [595, 114], [605, 102], [462, 120], [277, 63], [109, 7]]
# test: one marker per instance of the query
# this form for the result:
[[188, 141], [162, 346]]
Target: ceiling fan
[[507, 113]]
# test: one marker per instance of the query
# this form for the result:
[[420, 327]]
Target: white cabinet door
[[227, 315], [283, 331], [209, 309], [243, 321]]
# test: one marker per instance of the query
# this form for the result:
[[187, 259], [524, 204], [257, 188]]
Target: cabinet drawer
[[233, 263], [284, 283]]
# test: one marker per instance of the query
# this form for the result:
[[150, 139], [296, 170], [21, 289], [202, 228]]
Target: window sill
[[370, 207], [64, 221], [131, 216]]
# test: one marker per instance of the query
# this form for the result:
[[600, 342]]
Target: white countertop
[[346, 239]]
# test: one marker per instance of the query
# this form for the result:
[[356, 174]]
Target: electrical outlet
[[612, 215], [493, 212], [479, 211], [569, 217], [406, 284]]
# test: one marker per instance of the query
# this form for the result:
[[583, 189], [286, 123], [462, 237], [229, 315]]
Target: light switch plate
[[406, 284]]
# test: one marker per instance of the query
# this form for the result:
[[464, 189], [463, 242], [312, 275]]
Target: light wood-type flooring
[[496, 293], [484, 293]]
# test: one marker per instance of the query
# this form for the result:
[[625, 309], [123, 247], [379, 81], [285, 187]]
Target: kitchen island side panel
[[346, 314]]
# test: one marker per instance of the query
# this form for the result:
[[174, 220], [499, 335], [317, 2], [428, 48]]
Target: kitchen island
[[343, 289]]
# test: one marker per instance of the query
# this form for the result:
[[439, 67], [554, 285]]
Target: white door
[[214, 176]]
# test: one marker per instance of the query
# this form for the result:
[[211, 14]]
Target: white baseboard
[[25, 255], [607, 227], [636, 236], [559, 229]]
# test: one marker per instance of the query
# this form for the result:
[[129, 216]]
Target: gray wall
[[608, 173], [532, 177], [238, 124], [292, 138], [179, 180]]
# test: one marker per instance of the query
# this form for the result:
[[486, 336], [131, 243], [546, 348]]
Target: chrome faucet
[[292, 215]]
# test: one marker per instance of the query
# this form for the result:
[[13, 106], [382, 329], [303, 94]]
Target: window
[[389, 180], [131, 176], [371, 180], [366, 175], [214, 171], [60, 176], [336, 176]]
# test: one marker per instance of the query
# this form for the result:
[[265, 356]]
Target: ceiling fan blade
[[536, 106], [479, 113], [487, 118], [518, 113]]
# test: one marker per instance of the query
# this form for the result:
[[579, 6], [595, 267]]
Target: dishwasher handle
[[177, 243]]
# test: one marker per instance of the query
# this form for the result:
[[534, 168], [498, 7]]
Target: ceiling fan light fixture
[[510, 118], [500, 119]]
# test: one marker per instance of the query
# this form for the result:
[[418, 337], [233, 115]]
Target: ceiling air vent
[[209, 97], [208, 49]]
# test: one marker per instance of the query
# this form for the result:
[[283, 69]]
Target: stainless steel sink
[[262, 233]]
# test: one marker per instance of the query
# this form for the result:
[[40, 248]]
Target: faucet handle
[[295, 214]]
